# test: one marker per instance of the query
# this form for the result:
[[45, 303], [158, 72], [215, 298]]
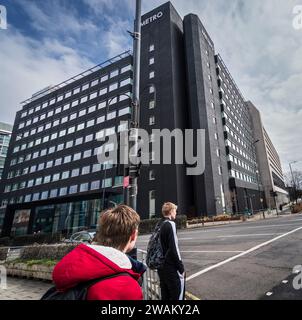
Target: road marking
[[242, 227], [249, 235], [190, 296], [241, 254], [211, 251]]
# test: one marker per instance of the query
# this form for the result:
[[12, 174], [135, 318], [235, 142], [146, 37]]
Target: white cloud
[[263, 52], [28, 66]]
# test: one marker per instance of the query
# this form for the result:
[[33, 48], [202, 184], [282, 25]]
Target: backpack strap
[[90, 283]]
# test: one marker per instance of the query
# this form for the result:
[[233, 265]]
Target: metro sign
[[152, 18]]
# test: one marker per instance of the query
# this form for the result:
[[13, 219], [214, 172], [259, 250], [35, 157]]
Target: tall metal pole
[[133, 170], [294, 183]]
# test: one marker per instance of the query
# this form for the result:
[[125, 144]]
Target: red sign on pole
[[126, 182]]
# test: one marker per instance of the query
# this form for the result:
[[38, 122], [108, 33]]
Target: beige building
[[269, 164]]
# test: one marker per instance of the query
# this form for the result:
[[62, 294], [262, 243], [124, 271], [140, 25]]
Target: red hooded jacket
[[88, 262]]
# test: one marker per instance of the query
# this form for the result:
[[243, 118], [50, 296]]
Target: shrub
[[148, 225], [51, 252], [3, 253]]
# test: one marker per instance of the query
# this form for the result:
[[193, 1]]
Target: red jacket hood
[[90, 262]]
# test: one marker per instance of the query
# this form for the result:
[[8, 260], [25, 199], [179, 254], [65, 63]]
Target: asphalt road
[[245, 261]]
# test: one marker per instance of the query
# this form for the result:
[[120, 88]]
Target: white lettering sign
[[3, 23], [152, 18], [297, 22]]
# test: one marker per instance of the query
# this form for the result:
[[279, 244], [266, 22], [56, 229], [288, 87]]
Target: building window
[[58, 162], [104, 78], [89, 138], [151, 104], [125, 82], [60, 147], [87, 154], [63, 191], [90, 123], [126, 68], [107, 183], [84, 187], [111, 115], [92, 109], [47, 179], [113, 86], [73, 189], [151, 75], [56, 177], [103, 91], [65, 175], [69, 144], [79, 141], [152, 121], [151, 61], [44, 195], [151, 48], [95, 185], [118, 181], [151, 203], [67, 159], [96, 167], [75, 173], [151, 175], [93, 95], [53, 193], [94, 82], [114, 73], [86, 170], [82, 112]]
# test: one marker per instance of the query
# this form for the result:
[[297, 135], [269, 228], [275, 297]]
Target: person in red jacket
[[116, 236]]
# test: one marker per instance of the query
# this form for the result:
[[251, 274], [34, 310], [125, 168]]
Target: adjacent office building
[[5, 135], [269, 162], [52, 178]]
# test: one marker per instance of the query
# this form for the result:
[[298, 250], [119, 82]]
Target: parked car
[[81, 237]]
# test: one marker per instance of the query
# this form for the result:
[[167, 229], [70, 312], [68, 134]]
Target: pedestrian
[[172, 273], [106, 257]]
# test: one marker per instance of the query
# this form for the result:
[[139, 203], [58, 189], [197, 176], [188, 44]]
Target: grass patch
[[44, 262]]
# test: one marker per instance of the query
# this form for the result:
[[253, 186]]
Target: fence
[[151, 287]]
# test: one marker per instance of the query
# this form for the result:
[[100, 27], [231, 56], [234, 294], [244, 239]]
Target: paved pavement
[[23, 289]]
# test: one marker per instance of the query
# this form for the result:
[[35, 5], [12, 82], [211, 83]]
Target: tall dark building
[[52, 180]]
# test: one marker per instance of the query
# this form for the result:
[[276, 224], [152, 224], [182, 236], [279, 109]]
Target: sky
[[48, 41]]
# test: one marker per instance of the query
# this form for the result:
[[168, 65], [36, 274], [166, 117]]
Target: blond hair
[[116, 227], [167, 208]]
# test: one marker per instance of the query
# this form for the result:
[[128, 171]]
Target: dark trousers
[[172, 284]]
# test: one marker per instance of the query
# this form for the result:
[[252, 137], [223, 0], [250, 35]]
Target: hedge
[[147, 226]]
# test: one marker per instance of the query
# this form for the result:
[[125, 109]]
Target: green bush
[[148, 225], [52, 252], [3, 253]]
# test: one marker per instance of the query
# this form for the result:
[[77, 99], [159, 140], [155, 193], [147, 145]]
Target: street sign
[[126, 182]]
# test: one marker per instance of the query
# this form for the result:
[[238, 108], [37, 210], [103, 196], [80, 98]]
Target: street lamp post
[[133, 169]]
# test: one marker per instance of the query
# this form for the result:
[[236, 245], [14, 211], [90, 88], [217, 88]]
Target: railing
[[151, 287]]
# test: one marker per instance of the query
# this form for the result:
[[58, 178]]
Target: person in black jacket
[[172, 274]]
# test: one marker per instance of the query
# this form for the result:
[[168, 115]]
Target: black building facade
[[52, 180]]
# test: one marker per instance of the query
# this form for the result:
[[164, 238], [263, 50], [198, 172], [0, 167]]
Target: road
[[246, 261]]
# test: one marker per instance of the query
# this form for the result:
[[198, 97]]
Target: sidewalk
[[24, 289], [256, 217]]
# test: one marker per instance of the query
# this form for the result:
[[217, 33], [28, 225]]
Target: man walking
[[172, 273]]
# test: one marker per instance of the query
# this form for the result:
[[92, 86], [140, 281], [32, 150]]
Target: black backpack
[[79, 292], [155, 257]]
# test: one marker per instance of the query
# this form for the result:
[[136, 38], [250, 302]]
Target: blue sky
[[48, 41]]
